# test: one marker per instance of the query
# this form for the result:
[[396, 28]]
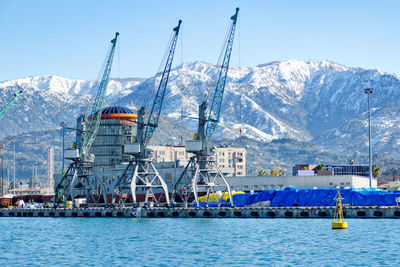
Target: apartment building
[[226, 157]]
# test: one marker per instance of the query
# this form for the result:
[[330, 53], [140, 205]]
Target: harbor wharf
[[217, 212]]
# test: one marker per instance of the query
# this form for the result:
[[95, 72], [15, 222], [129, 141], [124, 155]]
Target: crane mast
[[140, 173], [202, 171], [7, 107]]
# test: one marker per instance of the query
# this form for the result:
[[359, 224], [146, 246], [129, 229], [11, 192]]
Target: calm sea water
[[202, 242]]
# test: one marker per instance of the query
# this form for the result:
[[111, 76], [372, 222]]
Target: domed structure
[[117, 113], [117, 126]]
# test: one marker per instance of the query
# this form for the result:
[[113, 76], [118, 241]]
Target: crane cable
[[86, 109], [151, 92], [219, 63]]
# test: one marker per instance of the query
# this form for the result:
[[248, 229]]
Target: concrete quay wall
[[259, 212]]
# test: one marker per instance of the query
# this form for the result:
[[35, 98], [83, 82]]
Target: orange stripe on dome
[[118, 116]]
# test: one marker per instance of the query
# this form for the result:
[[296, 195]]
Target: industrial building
[[259, 183], [117, 126], [330, 169]]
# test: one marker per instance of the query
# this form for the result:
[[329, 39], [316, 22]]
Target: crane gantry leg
[[202, 176], [141, 178]]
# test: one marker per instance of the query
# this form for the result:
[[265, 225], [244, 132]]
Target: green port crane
[[91, 122], [80, 178], [202, 170], [7, 107], [140, 172]]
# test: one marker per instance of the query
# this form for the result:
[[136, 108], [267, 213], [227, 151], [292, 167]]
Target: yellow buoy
[[339, 223]]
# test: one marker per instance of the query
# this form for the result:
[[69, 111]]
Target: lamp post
[[2, 146], [14, 142], [63, 124], [368, 91]]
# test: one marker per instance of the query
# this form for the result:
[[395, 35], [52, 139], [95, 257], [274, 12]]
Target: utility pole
[[368, 91], [63, 124], [2, 146], [14, 170]]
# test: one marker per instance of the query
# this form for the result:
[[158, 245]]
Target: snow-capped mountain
[[317, 101]]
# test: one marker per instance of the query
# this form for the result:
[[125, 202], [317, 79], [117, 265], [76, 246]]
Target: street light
[[368, 91], [2, 146], [14, 142], [63, 124]]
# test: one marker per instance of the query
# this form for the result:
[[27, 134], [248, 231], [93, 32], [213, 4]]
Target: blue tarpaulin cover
[[291, 196]]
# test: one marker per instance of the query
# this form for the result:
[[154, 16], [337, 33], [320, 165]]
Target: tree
[[262, 172], [376, 172], [276, 172], [321, 167]]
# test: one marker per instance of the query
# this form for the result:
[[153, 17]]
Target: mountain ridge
[[305, 101]]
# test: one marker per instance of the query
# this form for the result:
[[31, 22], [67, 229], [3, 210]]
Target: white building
[[226, 157], [259, 183]]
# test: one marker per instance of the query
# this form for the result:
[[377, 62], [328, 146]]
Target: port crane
[[80, 178], [140, 173], [202, 172], [7, 107]]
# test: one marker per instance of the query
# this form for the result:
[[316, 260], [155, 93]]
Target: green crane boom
[[7, 107], [93, 122]]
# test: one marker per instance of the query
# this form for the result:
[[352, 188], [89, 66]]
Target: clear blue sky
[[70, 38]]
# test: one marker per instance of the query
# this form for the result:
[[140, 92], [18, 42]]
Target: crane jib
[[7, 107], [216, 104], [156, 108], [92, 125]]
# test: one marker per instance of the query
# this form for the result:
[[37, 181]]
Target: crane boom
[[93, 122], [216, 104], [155, 112], [7, 107]]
